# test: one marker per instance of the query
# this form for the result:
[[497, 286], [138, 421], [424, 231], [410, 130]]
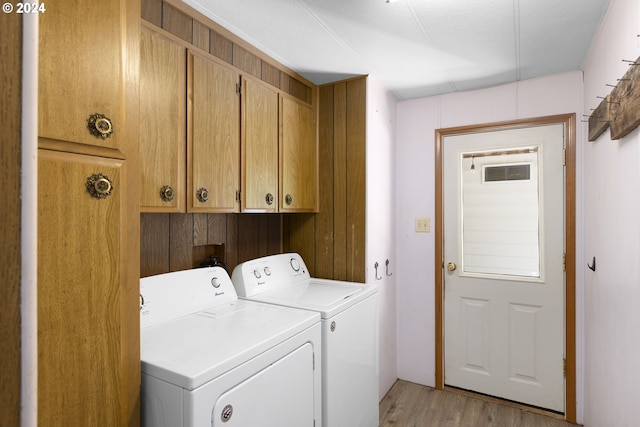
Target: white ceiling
[[416, 48]]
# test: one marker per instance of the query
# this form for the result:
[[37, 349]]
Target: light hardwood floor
[[412, 405]]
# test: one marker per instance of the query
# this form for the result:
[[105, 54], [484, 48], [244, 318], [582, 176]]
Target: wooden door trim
[[569, 121]]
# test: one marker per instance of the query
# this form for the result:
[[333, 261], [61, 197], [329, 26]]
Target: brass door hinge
[[564, 157], [564, 262], [239, 88]]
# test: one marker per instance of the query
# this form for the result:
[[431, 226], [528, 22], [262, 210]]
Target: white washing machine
[[349, 331], [210, 359]]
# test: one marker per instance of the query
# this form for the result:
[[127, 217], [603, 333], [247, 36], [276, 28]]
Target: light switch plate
[[422, 225]]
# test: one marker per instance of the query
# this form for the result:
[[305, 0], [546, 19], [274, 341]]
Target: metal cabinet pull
[[288, 199], [166, 193], [99, 186], [269, 199], [100, 126], [202, 194]]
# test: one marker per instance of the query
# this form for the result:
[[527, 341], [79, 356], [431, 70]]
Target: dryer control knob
[[256, 273], [267, 271], [294, 264]]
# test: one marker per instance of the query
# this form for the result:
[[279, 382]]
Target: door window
[[501, 205]]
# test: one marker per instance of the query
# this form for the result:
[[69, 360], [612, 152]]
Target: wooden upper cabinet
[[298, 157], [213, 155], [82, 83], [163, 135], [259, 147]]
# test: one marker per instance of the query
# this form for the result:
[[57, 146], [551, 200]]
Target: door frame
[[569, 121]]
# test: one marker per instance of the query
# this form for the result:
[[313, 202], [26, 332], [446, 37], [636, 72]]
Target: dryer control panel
[[260, 275]]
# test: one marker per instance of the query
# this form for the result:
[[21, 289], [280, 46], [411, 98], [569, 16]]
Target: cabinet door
[[259, 147], [298, 157], [83, 71], [163, 135], [213, 155], [87, 313]]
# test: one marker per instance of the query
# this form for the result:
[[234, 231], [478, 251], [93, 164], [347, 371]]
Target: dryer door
[[281, 395]]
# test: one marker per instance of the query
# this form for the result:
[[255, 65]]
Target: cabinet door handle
[[100, 126], [202, 194], [269, 199], [99, 186], [288, 199], [166, 193]]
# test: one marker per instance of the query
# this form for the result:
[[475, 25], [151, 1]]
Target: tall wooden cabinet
[[88, 215]]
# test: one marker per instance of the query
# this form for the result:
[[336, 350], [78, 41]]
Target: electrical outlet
[[422, 225]]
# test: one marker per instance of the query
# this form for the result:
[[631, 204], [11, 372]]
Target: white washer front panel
[[350, 367], [256, 402], [194, 349]]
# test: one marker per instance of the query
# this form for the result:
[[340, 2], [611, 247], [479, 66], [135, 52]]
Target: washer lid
[[328, 297], [194, 349]]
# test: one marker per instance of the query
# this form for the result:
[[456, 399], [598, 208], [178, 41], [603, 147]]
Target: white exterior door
[[503, 246]]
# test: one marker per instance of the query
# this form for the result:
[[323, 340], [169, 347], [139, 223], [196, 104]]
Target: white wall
[[380, 246], [612, 235], [417, 121]]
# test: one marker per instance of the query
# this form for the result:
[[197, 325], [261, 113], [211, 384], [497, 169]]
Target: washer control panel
[[167, 296]]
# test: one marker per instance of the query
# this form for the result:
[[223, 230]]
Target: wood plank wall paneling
[[178, 19], [332, 242], [325, 241], [172, 242], [10, 224], [356, 171], [177, 23]]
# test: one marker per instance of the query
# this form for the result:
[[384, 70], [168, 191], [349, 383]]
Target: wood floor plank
[[413, 405]]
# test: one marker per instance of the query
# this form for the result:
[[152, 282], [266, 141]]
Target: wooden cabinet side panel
[[80, 309], [214, 126], [298, 157], [259, 146], [11, 222], [162, 123], [76, 82]]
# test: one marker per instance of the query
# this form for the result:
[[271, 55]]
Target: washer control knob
[[256, 273], [295, 265], [214, 282], [267, 271]]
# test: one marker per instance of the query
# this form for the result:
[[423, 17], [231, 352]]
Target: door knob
[[451, 266]]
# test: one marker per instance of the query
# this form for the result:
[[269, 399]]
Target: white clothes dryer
[[349, 331], [210, 359]]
